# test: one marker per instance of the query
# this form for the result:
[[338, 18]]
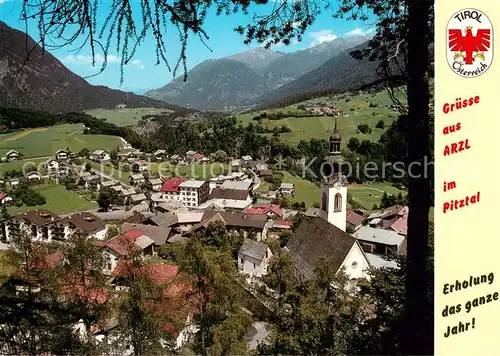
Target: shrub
[[380, 124]]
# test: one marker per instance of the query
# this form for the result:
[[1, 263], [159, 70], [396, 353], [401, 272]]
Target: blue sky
[[143, 73]]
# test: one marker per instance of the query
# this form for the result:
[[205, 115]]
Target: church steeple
[[335, 140], [334, 184]]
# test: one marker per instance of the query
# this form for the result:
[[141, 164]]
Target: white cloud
[[86, 60], [2, 1], [321, 37], [293, 42], [359, 32]]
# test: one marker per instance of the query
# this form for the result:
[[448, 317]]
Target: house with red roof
[[170, 188], [4, 198], [271, 210], [124, 245], [354, 220]]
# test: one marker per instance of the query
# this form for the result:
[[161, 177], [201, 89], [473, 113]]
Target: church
[[325, 236]]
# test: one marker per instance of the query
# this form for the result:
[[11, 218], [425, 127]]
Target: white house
[[62, 155], [100, 156], [13, 155], [137, 179], [4, 198], [253, 258], [33, 175], [156, 183], [286, 188], [86, 223], [38, 224], [52, 166]]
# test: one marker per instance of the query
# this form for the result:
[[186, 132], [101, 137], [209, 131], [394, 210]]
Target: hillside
[[222, 84], [257, 58], [341, 73], [293, 65], [355, 109], [44, 83], [235, 82]]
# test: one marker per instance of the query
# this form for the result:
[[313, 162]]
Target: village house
[[137, 179], [80, 223], [194, 192], [13, 155], [276, 227], [4, 198], [379, 241], [190, 155], [159, 235], [122, 246], [253, 258], [108, 183], [286, 189], [37, 224], [160, 155], [252, 226], [14, 182], [125, 155], [228, 199], [175, 158], [272, 210], [52, 166], [32, 176], [354, 220], [170, 188], [92, 180], [246, 159], [140, 166], [394, 218], [156, 184], [62, 155], [137, 198], [100, 156], [237, 184], [127, 192]]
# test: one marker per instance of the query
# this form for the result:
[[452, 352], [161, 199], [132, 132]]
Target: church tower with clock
[[333, 205]]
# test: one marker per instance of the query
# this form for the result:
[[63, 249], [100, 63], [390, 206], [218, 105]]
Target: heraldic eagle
[[469, 43]]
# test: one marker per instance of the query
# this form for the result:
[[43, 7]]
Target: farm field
[[356, 111], [125, 116], [59, 201], [111, 171], [44, 142], [19, 165], [365, 194], [368, 194]]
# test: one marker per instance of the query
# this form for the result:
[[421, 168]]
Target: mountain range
[[259, 75], [31, 78], [34, 79]]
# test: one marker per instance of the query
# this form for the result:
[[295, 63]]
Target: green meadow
[[45, 141]]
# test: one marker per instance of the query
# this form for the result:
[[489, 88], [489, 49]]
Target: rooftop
[[253, 249], [192, 183], [39, 217], [236, 185], [86, 221], [172, 184], [232, 194], [385, 237]]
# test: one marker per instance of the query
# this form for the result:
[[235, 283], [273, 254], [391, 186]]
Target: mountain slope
[[256, 58], [340, 73], [291, 66], [222, 84], [44, 83]]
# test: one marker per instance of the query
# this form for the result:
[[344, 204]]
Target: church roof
[[316, 238], [336, 134]]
